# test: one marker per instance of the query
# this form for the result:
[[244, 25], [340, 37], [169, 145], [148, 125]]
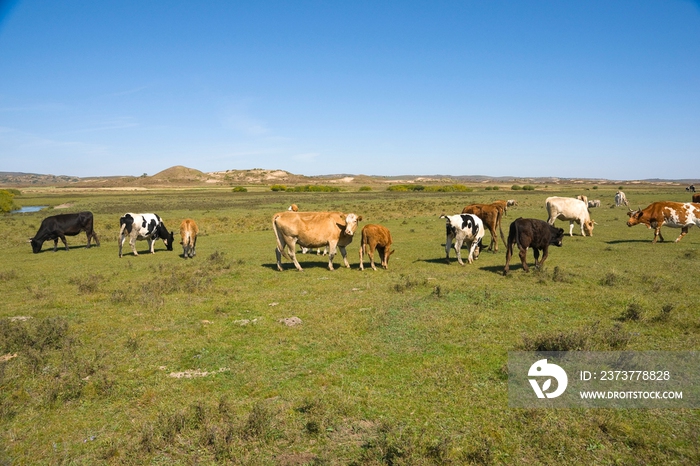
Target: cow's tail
[[278, 237], [125, 223], [499, 217]]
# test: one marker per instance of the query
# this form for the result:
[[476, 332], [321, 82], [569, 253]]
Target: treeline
[[430, 189], [309, 188]]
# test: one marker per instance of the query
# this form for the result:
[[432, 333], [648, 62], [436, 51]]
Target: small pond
[[30, 208]]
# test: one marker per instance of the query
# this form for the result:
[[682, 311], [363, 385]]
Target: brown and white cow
[[573, 210], [188, 234], [379, 238], [491, 216], [313, 230], [696, 198], [502, 206], [681, 215]]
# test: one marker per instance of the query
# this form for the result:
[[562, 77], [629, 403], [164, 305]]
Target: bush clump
[[365, 188], [240, 189], [516, 187], [314, 188], [528, 187], [430, 189], [278, 187], [7, 200]]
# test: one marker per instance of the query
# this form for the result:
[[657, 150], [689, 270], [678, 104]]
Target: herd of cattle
[[335, 230]]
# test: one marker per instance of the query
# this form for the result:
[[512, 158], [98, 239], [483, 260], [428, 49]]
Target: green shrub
[[488, 188], [7, 202], [496, 188], [430, 189], [278, 187], [365, 188], [595, 187], [312, 188], [240, 189], [516, 187], [528, 187]]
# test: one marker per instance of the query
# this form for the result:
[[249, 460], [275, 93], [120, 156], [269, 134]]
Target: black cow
[[535, 234], [60, 226]]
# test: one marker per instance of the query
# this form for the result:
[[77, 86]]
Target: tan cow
[[319, 251], [313, 230], [188, 235], [491, 216], [379, 238]]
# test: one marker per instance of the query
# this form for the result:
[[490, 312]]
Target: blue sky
[[607, 89]]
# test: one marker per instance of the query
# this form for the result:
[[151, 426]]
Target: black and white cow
[[463, 228], [60, 226], [143, 226]]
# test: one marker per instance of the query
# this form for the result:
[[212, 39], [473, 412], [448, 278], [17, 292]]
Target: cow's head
[[557, 236], [635, 217], [169, 240], [36, 245], [588, 227], [351, 222]]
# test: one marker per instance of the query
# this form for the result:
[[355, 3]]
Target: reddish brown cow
[[681, 215], [696, 198], [491, 216], [188, 234], [379, 238]]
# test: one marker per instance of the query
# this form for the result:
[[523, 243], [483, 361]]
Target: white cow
[[573, 210], [463, 228], [313, 230], [594, 203], [621, 199]]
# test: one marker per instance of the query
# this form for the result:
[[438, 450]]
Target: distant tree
[[7, 202]]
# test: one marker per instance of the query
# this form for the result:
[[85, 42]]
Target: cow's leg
[[121, 243], [292, 250], [362, 266], [523, 258], [494, 240], [472, 247], [657, 235], [132, 243], [545, 253], [344, 253], [63, 238], [684, 231], [371, 256], [152, 245], [571, 228], [193, 248], [331, 253], [448, 246], [55, 244], [458, 247], [97, 240], [536, 253]]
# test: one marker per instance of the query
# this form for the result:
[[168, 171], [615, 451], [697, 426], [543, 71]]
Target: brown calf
[[188, 234], [379, 238], [696, 198], [491, 216]]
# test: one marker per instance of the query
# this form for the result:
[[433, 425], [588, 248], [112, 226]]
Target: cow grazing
[[60, 226], [595, 203], [696, 198], [681, 215], [313, 230], [143, 226], [502, 206], [490, 216], [573, 210], [463, 228], [511, 202], [621, 199], [379, 238], [531, 233], [691, 188], [188, 234]]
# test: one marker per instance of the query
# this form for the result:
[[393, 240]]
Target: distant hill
[[184, 176]]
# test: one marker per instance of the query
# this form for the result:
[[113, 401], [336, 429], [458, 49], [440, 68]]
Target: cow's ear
[[359, 219]]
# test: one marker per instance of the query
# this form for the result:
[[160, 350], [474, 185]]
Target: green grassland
[[398, 366]]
